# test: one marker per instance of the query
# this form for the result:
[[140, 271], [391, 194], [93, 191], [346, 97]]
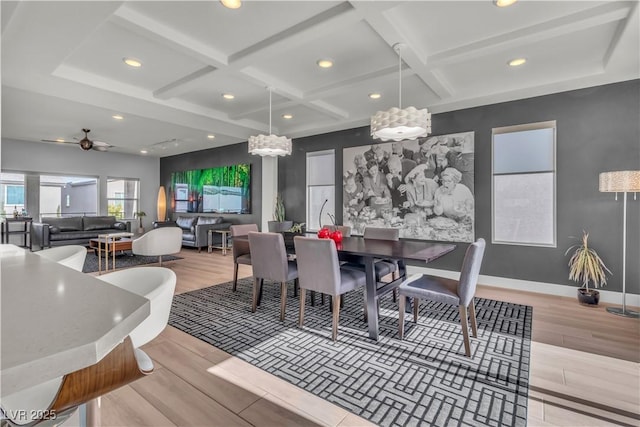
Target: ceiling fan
[[85, 143]]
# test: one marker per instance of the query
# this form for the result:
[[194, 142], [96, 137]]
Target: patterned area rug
[[423, 380], [124, 260]]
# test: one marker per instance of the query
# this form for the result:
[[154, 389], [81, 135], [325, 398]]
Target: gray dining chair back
[[318, 265], [269, 261], [382, 233], [447, 291], [344, 229], [240, 249], [319, 271]]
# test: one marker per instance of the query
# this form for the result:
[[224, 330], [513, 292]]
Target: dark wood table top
[[414, 250]]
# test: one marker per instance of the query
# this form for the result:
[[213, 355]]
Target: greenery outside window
[[123, 197]]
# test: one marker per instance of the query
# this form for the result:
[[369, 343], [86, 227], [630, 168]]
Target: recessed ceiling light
[[211, 136], [287, 116], [325, 63], [143, 151], [59, 140], [117, 117], [517, 62], [231, 4], [374, 95], [228, 96], [504, 3], [132, 62]]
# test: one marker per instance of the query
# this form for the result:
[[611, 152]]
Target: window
[[12, 191], [68, 195], [524, 184], [122, 197], [320, 189]]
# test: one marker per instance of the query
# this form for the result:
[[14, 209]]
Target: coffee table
[[110, 243]]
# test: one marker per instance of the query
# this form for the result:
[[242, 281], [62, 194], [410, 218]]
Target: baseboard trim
[[609, 297]]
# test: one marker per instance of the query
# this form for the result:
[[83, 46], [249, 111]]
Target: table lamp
[[622, 182]]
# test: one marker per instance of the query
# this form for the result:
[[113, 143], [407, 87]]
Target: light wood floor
[[584, 370]]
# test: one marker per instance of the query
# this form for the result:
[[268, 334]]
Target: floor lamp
[[162, 204], [622, 182]]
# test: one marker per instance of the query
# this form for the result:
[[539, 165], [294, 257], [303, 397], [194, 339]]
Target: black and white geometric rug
[[424, 379], [122, 261]]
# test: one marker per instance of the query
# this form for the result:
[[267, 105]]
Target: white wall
[[24, 156]]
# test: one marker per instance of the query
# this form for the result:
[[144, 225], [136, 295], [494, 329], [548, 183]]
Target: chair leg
[[472, 315], [336, 316], [303, 293], [313, 298], [283, 299], [416, 306], [296, 285], [402, 302], [256, 285], [322, 299], [465, 330], [366, 310], [235, 276], [160, 260], [395, 295], [260, 291]]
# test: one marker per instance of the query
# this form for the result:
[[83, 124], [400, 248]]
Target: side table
[[25, 230], [224, 239]]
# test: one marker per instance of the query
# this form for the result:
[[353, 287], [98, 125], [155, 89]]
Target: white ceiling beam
[[378, 18], [338, 16], [599, 15], [624, 26], [184, 84], [156, 31]]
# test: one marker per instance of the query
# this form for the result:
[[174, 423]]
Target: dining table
[[371, 250]]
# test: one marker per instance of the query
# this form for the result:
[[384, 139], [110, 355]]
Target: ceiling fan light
[[398, 124], [231, 4]]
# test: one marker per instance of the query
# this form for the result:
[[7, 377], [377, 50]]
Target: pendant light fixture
[[269, 145], [400, 123]]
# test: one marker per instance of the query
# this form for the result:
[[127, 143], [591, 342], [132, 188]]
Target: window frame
[[123, 200], [550, 124], [308, 186]]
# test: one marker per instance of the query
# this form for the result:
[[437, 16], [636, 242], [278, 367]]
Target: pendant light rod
[[270, 88], [398, 48]]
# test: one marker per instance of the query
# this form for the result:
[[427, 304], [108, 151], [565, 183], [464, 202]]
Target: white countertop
[[56, 320]]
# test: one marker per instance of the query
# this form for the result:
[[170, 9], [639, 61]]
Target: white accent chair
[[158, 242], [155, 283], [71, 256]]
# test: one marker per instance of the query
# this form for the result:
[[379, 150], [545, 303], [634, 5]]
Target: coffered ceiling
[[63, 69]]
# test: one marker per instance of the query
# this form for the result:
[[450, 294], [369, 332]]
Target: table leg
[[99, 257], [224, 243], [372, 309], [113, 255]]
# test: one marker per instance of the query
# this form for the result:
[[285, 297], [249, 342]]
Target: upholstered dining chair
[[447, 291], [71, 256], [319, 271], [269, 261], [240, 250], [382, 267], [27, 406], [158, 242]]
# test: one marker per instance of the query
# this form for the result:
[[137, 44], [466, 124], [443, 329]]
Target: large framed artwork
[[423, 187]]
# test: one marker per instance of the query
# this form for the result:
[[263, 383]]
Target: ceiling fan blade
[[100, 147], [59, 142], [102, 144]]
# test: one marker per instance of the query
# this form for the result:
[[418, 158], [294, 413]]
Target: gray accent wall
[[224, 156], [597, 130]]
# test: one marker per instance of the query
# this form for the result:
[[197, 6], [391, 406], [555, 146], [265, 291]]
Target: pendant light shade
[[269, 145], [397, 124]]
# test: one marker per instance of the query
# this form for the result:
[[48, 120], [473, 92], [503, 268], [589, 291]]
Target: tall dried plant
[[585, 265], [278, 212]]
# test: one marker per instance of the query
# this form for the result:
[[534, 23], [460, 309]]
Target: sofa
[[74, 230], [195, 229]]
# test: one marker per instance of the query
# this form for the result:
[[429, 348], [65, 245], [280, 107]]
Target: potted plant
[[586, 266], [279, 224], [139, 215]]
